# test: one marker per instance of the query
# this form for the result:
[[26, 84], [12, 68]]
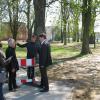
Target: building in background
[[5, 31]]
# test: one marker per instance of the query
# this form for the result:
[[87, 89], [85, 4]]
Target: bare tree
[[13, 6], [29, 12]]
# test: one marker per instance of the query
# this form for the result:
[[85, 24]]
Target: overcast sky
[[52, 14]]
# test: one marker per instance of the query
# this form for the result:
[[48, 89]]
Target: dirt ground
[[81, 73]]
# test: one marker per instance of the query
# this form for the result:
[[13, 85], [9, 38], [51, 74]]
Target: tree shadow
[[67, 59], [80, 88]]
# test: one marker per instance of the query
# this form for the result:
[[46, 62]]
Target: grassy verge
[[20, 52], [58, 50], [61, 51]]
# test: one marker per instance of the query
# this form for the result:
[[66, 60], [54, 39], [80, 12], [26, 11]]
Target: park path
[[80, 72], [58, 91]]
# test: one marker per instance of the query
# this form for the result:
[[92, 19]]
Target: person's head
[[33, 39], [42, 37], [11, 43]]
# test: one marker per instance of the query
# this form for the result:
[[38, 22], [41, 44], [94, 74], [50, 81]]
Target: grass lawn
[[58, 50]]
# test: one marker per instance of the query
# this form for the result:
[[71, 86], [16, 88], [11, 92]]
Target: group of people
[[10, 62]]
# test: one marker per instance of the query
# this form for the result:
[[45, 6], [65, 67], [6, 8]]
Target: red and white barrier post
[[26, 63]]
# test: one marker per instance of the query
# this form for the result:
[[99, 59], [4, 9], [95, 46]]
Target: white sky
[[52, 14]]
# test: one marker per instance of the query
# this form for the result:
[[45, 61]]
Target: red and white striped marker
[[26, 62], [23, 81]]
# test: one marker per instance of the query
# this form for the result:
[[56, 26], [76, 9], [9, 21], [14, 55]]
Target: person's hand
[[13, 70], [9, 59], [41, 66]]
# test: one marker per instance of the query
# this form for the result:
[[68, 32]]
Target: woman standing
[[13, 66]]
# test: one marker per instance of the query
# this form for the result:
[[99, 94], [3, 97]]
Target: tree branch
[[50, 3]]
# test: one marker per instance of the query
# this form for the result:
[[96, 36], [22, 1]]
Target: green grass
[[60, 51], [57, 50]]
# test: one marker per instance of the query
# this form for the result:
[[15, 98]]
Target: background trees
[[13, 7], [77, 19], [28, 9]]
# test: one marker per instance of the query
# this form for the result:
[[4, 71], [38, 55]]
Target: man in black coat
[[44, 61], [31, 54]]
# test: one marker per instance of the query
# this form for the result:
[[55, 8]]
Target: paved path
[[57, 91]]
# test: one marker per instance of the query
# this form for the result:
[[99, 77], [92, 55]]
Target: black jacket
[[10, 52], [31, 49], [45, 54]]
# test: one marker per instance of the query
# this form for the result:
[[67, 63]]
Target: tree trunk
[[77, 31], [61, 34], [28, 21], [68, 33], [64, 34], [86, 20], [92, 25], [61, 23], [13, 16], [39, 24], [65, 16], [74, 36]]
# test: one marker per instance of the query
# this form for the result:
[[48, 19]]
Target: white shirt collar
[[42, 41]]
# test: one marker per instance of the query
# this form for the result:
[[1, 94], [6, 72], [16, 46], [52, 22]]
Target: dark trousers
[[1, 92], [12, 80], [44, 78], [30, 72]]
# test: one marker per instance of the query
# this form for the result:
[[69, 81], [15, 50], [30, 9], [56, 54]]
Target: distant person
[[13, 66], [3, 63], [44, 61], [31, 54]]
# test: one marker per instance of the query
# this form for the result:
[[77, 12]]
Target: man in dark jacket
[[44, 61], [31, 54]]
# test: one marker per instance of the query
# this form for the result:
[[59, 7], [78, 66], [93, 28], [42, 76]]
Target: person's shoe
[[40, 86], [17, 87], [34, 81], [10, 90], [14, 90], [44, 90], [4, 98]]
